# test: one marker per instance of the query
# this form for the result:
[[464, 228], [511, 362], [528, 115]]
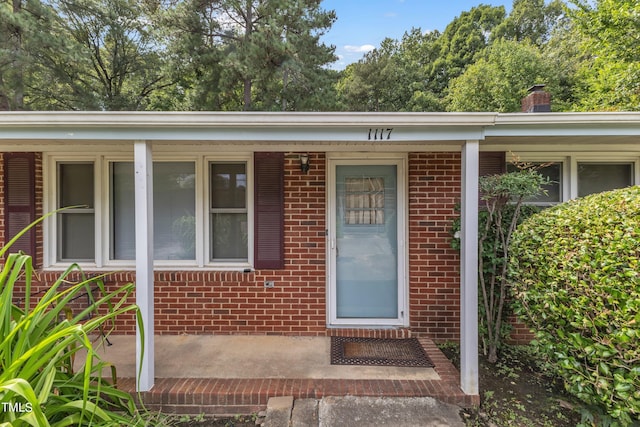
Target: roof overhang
[[362, 131], [246, 126]]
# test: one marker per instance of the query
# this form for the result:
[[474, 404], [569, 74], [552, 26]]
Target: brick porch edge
[[215, 396]]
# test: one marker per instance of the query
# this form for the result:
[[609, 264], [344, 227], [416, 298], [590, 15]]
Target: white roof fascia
[[234, 119], [320, 129], [565, 124], [177, 127]]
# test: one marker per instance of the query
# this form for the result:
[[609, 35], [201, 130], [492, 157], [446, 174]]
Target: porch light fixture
[[304, 163]]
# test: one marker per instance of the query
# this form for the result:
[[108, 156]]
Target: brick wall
[[434, 268], [195, 302], [200, 302], [520, 333]]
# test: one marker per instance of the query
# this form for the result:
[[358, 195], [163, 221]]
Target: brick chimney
[[538, 100]]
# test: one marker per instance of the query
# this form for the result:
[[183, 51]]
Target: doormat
[[406, 352]]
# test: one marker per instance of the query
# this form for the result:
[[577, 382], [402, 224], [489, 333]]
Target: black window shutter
[[492, 163], [19, 200], [269, 210]]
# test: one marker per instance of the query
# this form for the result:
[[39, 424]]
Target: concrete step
[[305, 413], [355, 411], [278, 412]]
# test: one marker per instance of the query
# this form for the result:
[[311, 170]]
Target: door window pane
[[599, 177], [228, 212], [364, 201], [173, 209], [76, 226]]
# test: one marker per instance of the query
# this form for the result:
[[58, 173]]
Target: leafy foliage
[[39, 343], [497, 81], [609, 79], [530, 20], [466, 36], [503, 197], [575, 274], [268, 55], [253, 55]]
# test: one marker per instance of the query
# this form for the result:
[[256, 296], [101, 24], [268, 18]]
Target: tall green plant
[[39, 340], [504, 196]]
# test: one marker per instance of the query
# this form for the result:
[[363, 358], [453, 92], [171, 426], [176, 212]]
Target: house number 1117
[[379, 133]]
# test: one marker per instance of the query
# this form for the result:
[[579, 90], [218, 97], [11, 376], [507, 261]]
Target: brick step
[[193, 396]]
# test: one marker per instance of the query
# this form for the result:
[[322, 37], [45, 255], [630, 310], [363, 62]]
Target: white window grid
[[102, 206]]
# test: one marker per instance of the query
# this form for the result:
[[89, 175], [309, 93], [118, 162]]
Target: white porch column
[[469, 269], [143, 167]]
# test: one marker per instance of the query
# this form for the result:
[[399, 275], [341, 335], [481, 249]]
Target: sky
[[363, 24]]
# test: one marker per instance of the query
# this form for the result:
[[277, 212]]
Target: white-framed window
[[596, 177], [76, 224], [580, 174], [202, 211], [174, 207], [553, 190], [228, 211]]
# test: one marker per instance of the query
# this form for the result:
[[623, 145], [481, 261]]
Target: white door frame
[[356, 159]]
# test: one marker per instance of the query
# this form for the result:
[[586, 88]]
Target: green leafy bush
[[575, 275], [39, 340], [503, 209]]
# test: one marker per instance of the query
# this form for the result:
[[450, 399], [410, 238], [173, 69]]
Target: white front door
[[366, 243]]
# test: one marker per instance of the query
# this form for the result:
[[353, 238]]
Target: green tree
[[78, 55], [565, 57], [391, 77], [609, 28], [530, 20], [504, 196], [23, 30], [110, 61], [499, 79], [416, 52], [369, 84], [265, 54], [463, 39]]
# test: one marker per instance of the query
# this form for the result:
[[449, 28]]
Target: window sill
[[244, 268]]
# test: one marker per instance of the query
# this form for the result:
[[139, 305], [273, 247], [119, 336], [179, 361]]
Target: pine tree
[[255, 54]]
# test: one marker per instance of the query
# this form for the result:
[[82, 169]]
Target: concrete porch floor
[[227, 375]]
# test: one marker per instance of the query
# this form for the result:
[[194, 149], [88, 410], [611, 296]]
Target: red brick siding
[[204, 301], [238, 303], [434, 268], [520, 333]]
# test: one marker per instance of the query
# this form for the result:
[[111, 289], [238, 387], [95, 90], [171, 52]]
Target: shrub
[[574, 272], [503, 209], [39, 340]]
